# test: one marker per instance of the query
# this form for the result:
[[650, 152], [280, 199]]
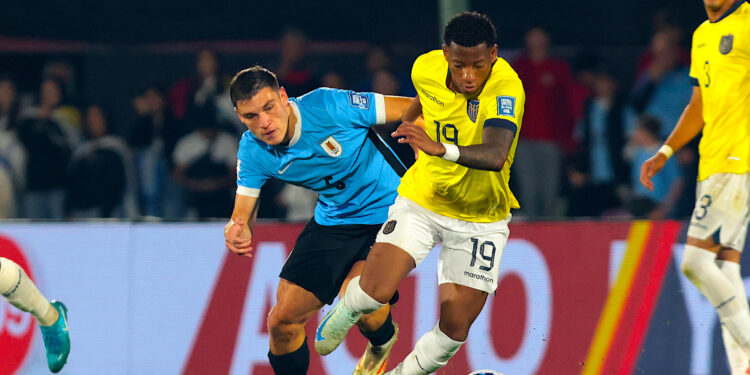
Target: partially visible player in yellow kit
[[720, 107], [456, 192]]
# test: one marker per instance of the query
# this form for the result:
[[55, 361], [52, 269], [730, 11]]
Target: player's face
[[470, 66], [266, 115], [714, 5]]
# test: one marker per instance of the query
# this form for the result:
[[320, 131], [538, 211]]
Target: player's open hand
[[417, 138], [651, 167], [238, 237]]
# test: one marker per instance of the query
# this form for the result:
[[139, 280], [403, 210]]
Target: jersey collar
[[297, 125], [731, 10]]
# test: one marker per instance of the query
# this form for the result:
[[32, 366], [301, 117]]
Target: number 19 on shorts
[[486, 250]]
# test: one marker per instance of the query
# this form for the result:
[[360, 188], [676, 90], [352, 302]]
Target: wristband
[[666, 150], [451, 152]]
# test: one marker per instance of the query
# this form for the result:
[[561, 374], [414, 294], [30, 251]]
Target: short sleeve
[[359, 108], [505, 107], [694, 68], [250, 176]]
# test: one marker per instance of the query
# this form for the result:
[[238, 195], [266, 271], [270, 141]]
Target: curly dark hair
[[469, 29]]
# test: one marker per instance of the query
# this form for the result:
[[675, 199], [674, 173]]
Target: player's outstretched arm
[[238, 231], [490, 155], [395, 107], [688, 126], [414, 110]]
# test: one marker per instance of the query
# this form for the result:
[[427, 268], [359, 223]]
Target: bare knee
[[283, 325], [378, 291]]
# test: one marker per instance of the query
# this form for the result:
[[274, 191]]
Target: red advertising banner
[[564, 304]]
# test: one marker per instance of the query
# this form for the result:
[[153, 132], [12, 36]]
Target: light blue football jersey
[[330, 154]]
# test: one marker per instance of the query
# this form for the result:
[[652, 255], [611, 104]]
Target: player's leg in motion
[[728, 262], [288, 352], [700, 267], [459, 307], [21, 292], [384, 269], [379, 329]]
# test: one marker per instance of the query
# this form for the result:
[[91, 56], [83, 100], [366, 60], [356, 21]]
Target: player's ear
[[493, 53], [283, 95], [445, 51]]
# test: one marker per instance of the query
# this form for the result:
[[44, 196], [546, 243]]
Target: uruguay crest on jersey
[[331, 146]]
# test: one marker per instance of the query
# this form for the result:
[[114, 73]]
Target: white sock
[[356, 300], [18, 289], [432, 351], [699, 266], [738, 360]]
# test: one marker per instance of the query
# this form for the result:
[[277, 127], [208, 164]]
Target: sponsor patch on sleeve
[[358, 100], [506, 106]]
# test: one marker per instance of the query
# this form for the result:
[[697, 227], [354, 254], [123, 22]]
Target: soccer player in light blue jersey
[[317, 141]]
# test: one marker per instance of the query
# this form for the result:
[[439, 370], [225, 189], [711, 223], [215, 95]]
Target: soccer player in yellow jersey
[[456, 192], [720, 107]]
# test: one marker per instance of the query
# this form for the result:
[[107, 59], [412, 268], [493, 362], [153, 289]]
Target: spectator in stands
[[152, 138], [668, 185], [378, 64], [10, 106], [53, 104], [48, 140], [663, 25], [547, 126], [101, 171], [192, 94], [585, 68], [293, 69], [330, 79], [12, 154], [205, 166], [664, 89], [385, 82], [299, 202], [602, 135]]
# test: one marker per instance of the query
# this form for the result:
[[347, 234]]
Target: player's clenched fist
[[238, 236], [651, 167]]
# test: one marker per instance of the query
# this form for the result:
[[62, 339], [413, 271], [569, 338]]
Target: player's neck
[[714, 16]]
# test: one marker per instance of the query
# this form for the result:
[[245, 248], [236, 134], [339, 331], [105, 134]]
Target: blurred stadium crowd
[[585, 133]]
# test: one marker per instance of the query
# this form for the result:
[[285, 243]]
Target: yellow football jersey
[[447, 188], [720, 66]]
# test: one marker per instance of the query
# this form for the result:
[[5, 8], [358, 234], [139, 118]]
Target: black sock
[[294, 363], [381, 335]]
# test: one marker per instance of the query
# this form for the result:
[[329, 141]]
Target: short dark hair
[[246, 83], [469, 29]]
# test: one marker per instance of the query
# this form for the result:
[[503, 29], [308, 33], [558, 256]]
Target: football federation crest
[[472, 109], [332, 147], [725, 46], [359, 100], [389, 227], [506, 106]]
